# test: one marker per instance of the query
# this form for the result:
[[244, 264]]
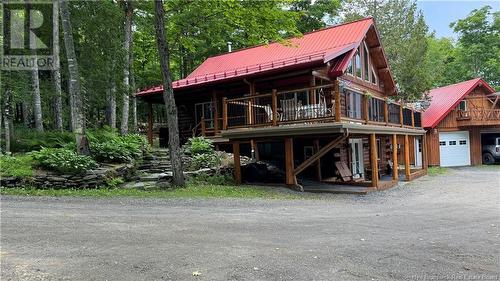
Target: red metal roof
[[321, 45], [444, 99]]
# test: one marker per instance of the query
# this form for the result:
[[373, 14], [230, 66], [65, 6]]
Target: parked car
[[491, 148]]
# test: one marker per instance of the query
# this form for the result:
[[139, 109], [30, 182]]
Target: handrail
[[265, 110]]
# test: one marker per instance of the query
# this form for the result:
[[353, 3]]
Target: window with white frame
[[205, 110]]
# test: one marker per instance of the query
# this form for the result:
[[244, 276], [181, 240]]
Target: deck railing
[[478, 116], [314, 105]]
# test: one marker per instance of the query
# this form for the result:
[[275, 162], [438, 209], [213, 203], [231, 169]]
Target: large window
[[349, 67], [373, 76], [366, 63], [357, 63], [353, 100], [205, 110]]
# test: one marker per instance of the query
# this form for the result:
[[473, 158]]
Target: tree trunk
[[78, 119], [134, 99], [129, 11], [56, 73], [37, 100], [111, 108], [26, 114], [6, 120], [168, 97]]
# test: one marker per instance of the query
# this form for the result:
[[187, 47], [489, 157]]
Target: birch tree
[[129, 11], [37, 99], [7, 119], [78, 119], [56, 73], [168, 97], [111, 103]]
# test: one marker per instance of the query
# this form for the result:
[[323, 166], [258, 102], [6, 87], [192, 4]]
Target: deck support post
[[150, 123], [401, 123], [224, 113], [412, 118], [374, 161], [386, 112], [365, 109], [274, 105], [395, 165], [336, 89], [237, 163], [407, 158], [216, 111], [290, 180], [312, 93], [318, 163]]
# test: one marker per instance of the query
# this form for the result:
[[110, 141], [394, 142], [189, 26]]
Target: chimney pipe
[[229, 49]]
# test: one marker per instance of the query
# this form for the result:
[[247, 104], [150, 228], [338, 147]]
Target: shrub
[[63, 160], [107, 146], [206, 160], [199, 145], [27, 140], [16, 166], [114, 182]]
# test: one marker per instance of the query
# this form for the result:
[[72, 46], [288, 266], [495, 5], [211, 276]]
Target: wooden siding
[[475, 100], [433, 147], [475, 145]]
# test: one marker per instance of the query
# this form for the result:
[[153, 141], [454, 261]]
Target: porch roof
[[318, 129]]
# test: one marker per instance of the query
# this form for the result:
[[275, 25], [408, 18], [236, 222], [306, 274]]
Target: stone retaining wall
[[89, 179]]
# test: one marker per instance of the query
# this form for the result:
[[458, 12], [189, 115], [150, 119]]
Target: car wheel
[[488, 159]]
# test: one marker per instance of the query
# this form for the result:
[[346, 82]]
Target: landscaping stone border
[[90, 179]]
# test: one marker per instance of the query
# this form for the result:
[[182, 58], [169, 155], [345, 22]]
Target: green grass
[[19, 166], [435, 171], [191, 191]]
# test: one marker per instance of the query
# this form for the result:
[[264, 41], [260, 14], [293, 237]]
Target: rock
[[89, 177], [165, 176], [56, 179], [133, 185], [163, 184]]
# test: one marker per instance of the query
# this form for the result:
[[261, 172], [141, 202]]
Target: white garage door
[[454, 148]]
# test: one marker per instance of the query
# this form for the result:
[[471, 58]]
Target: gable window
[[366, 63], [462, 105], [349, 67], [373, 77], [357, 64], [205, 110]]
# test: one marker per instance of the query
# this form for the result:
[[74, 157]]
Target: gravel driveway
[[438, 228]]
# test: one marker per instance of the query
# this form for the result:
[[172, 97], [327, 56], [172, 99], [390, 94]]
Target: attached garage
[[454, 148]]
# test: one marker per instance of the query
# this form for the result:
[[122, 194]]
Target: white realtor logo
[[20, 31]]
